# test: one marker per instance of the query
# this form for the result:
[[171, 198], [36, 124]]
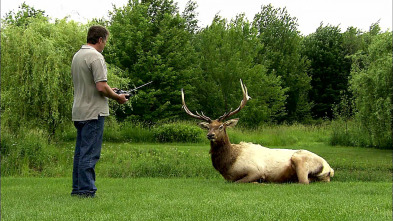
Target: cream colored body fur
[[257, 163]]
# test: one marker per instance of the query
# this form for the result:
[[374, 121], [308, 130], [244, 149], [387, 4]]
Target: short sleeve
[[99, 70]]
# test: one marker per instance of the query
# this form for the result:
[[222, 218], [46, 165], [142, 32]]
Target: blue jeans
[[87, 153]]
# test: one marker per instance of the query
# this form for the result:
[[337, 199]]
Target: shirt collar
[[87, 47]]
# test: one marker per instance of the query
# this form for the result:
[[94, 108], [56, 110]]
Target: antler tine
[[203, 115], [242, 103], [197, 116], [225, 115]]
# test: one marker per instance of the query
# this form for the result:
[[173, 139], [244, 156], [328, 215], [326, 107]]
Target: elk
[[248, 162]]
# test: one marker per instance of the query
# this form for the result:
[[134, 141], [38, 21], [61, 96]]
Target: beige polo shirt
[[88, 67]]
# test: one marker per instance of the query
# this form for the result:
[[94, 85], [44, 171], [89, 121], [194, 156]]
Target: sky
[[309, 13]]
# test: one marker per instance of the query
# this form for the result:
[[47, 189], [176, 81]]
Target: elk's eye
[[221, 127]]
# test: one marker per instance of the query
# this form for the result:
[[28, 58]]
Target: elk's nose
[[210, 136]]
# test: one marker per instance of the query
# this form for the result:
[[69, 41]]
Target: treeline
[[328, 74]]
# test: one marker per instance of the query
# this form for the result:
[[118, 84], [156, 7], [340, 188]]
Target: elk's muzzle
[[211, 136]]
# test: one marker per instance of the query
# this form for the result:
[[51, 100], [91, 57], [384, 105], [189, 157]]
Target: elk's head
[[217, 128]]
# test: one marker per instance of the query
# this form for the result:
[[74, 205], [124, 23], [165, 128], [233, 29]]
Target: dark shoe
[[84, 195], [87, 195]]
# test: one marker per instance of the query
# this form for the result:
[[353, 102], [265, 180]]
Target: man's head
[[97, 36]]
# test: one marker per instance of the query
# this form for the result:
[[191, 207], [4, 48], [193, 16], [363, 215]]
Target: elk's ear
[[231, 123], [204, 125]]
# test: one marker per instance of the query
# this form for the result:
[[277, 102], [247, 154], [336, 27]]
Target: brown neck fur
[[223, 154]]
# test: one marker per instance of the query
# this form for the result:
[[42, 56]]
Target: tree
[[353, 41], [227, 53], [190, 14], [371, 82], [36, 89], [329, 68], [36, 80], [152, 42], [23, 16], [277, 32]]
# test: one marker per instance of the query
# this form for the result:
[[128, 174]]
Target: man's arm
[[106, 90]]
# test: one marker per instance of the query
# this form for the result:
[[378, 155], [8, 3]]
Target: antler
[[197, 116], [242, 103]]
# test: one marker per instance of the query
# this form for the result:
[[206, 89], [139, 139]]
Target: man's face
[[101, 44]]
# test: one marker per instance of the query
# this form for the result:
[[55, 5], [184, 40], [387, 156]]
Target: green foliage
[[329, 68], [149, 160], [23, 16], [277, 32], [36, 87], [372, 86], [151, 41], [354, 40], [130, 132], [190, 15], [26, 155], [282, 135], [118, 79], [348, 133], [36, 84], [227, 53], [114, 131], [153, 44], [178, 132]]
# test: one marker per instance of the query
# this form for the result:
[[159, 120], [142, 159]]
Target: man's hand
[[122, 98], [107, 91]]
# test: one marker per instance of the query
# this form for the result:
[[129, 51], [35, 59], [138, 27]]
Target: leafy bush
[[329, 68], [36, 84], [178, 132], [36, 89], [348, 133], [152, 160], [281, 135], [134, 132], [152, 43], [227, 53], [371, 83], [26, 154]]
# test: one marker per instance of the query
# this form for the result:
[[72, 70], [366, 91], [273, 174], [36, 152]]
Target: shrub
[[348, 133], [371, 83], [36, 87], [178, 132], [353, 133], [24, 154], [135, 132]]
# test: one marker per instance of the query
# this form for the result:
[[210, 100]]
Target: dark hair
[[96, 32]]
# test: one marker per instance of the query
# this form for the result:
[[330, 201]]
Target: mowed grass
[[194, 199]]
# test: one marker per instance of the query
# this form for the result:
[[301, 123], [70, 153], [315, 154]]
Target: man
[[91, 93]]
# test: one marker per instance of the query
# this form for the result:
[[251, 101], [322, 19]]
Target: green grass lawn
[[194, 199]]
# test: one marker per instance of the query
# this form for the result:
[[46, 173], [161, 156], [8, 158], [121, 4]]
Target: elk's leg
[[300, 165], [248, 178]]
